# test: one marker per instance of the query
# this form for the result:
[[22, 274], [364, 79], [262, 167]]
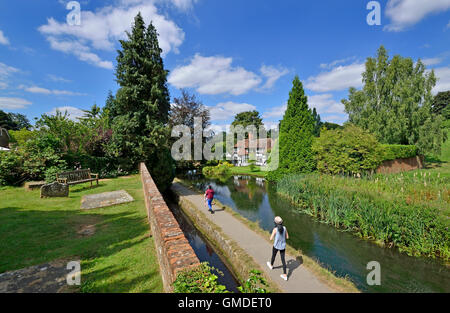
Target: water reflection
[[341, 252]]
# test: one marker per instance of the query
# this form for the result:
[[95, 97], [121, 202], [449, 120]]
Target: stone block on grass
[[54, 190]]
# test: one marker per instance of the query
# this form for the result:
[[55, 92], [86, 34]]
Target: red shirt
[[209, 194]]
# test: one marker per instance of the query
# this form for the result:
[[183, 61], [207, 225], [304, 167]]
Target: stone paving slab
[[105, 199], [45, 278]]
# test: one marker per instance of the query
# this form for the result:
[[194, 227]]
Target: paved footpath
[[300, 279]]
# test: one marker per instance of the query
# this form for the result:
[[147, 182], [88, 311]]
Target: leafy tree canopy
[[395, 103]]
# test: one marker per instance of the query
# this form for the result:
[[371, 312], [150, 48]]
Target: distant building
[[4, 138], [256, 149]]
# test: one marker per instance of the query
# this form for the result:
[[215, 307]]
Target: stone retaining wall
[[401, 165], [174, 252]]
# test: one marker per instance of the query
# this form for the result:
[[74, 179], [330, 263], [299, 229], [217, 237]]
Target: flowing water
[[341, 252], [203, 249]]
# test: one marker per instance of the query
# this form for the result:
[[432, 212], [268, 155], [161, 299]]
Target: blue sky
[[235, 55]]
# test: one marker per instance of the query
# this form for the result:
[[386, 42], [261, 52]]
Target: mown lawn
[[245, 170], [119, 257]]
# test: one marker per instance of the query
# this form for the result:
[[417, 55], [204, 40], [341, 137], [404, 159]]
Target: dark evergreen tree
[[441, 104], [317, 123], [140, 110], [296, 132]]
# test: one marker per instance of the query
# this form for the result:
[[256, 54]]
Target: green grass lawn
[[245, 170], [119, 257]]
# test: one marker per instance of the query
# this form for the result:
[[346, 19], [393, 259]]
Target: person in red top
[[209, 197]]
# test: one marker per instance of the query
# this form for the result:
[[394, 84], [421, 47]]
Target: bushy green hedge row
[[411, 228], [352, 150], [392, 152]]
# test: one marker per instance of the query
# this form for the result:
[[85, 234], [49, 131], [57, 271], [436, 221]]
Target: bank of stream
[[202, 248], [340, 252]]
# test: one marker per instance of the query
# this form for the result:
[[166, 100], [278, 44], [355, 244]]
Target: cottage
[[4, 139], [252, 149]]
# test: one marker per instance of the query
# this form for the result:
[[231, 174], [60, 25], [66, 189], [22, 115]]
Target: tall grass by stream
[[407, 211]]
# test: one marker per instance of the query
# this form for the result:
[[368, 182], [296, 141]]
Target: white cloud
[[337, 119], [336, 62], [74, 113], [214, 75], [13, 103], [275, 112], [443, 83], [432, 61], [3, 39], [45, 91], [102, 29], [272, 74], [325, 104], [5, 73], [227, 110], [406, 13], [339, 78], [58, 79]]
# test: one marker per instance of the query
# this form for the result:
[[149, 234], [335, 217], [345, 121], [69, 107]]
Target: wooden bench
[[77, 177]]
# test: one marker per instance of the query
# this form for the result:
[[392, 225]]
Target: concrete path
[[300, 279]]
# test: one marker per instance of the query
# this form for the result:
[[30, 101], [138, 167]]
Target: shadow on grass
[[31, 237]]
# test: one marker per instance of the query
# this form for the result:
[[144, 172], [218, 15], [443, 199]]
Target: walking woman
[[280, 234]]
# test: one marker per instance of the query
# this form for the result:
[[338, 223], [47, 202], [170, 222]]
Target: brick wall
[[174, 252], [401, 165]]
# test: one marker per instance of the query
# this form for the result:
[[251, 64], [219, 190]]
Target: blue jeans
[[209, 203]]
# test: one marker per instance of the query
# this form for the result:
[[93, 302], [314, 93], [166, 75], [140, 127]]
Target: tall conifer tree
[[296, 132], [140, 110]]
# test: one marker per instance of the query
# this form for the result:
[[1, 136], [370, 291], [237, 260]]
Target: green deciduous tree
[[296, 132], [248, 118], [395, 103], [140, 109]]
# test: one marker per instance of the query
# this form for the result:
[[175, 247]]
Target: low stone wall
[[401, 165], [174, 252]]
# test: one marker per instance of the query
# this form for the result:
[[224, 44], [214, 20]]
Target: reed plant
[[376, 214]]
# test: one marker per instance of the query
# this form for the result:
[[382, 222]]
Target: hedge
[[392, 152]]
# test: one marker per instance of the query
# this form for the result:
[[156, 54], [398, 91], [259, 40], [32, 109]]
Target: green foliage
[[199, 280], [13, 121], [347, 151], [441, 104], [395, 103], [248, 118], [39, 158], [296, 132], [11, 168], [392, 152], [222, 169], [20, 137], [317, 123], [254, 284], [139, 111], [410, 227]]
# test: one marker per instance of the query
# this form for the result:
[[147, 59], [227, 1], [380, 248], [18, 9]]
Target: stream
[[341, 252]]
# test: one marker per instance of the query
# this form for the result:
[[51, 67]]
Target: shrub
[[392, 152], [11, 167], [347, 151], [219, 170], [199, 280], [254, 284]]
